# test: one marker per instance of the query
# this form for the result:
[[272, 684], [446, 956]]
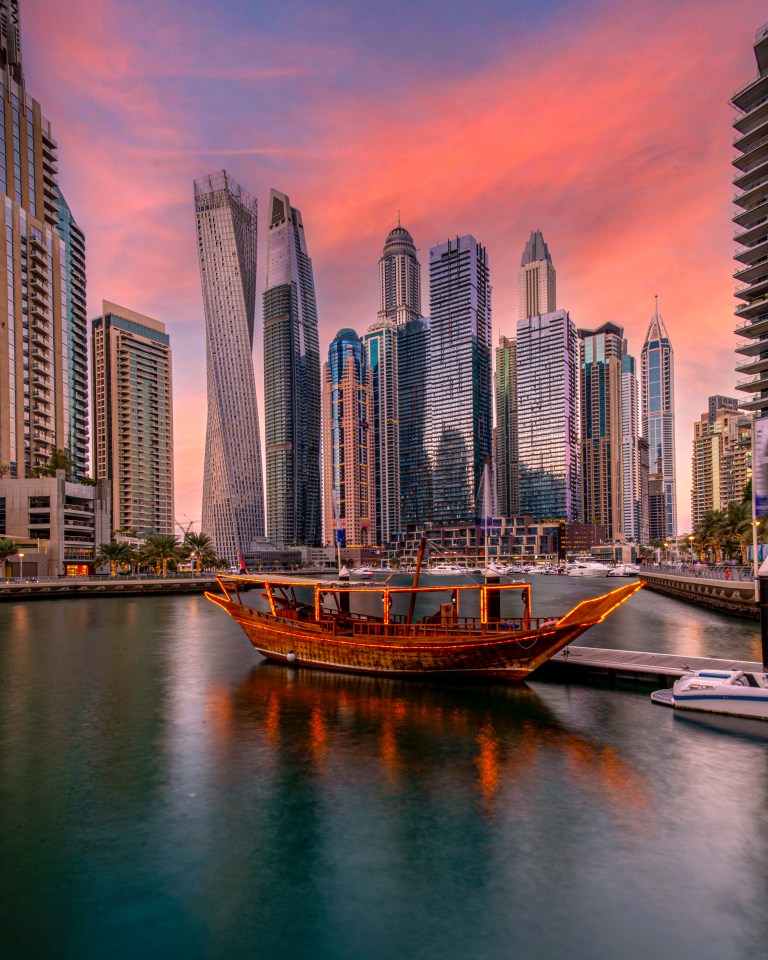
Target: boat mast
[[419, 558]]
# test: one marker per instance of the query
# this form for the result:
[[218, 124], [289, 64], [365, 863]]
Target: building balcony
[[753, 309], [755, 154], [755, 195], [751, 272], [751, 121], [752, 175], [751, 236], [755, 291], [758, 405], [755, 384], [756, 364], [748, 97]]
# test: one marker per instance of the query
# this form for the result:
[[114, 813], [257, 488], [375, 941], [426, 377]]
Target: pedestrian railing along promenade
[[703, 571]]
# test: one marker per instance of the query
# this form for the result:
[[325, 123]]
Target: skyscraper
[[722, 457], [634, 494], [412, 376], [657, 364], [43, 329], [547, 416], [348, 457], [381, 351], [507, 478], [751, 182], [601, 426], [399, 278], [536, 279], [291, 381], [233, 491], [133, 419], [459, 426]]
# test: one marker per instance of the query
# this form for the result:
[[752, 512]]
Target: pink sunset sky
[[606, 125]]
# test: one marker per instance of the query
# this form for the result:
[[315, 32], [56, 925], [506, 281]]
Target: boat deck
[[654, 668]]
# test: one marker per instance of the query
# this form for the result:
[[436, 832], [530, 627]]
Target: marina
[[158, 779]]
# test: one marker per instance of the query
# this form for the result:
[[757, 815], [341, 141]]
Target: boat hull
[[741, 705]]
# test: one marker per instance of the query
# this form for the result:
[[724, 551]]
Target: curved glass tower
[[233, 492], [291, 381]]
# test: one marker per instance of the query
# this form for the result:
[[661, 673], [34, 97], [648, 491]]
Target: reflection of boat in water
[[490, 735], [733, 693], [313, 623]]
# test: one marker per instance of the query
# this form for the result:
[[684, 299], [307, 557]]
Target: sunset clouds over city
[[605, 125]]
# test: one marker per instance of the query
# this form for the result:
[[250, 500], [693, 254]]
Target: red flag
[[243, 568]]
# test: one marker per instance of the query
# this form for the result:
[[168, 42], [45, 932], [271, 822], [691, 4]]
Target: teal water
[[164, 792]]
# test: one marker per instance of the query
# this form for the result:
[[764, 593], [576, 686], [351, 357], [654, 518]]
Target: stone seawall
[[737, 598]]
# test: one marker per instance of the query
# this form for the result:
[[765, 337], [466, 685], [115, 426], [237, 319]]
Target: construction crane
[[185, 530]]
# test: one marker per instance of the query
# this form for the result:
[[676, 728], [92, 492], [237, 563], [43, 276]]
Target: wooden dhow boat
[[469, 630]]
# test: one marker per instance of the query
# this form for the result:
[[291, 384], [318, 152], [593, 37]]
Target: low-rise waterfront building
[[73, 518]]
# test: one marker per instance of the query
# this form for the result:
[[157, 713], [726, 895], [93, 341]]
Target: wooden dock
[[659, 669]]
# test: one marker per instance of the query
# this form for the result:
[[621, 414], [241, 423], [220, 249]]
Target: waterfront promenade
[[727, 589]]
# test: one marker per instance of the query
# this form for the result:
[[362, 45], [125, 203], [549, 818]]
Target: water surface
[[165, 792]]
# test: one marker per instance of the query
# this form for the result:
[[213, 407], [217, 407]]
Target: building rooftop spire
[[656, 328], [535, 250]]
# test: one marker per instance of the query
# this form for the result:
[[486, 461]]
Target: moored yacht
[[734, 693], [588, 568]]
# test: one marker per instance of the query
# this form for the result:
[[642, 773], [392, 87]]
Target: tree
[[7, 549], [160, 549], [59, 460], [737, 524], [710, 533], [114, 553], [746, 497], [199, 546]]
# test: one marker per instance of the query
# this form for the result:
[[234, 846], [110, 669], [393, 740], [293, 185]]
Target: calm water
[[166, 793]]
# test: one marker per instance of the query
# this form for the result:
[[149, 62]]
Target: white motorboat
[[446, 570], [624, 570], [370, 573], [588, 568], [733, 693]]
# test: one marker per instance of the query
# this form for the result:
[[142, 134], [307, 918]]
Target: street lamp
[[690, 540], [21, 566], [755, 564], [666, 551]]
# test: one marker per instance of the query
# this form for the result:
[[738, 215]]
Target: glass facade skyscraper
[[233, 490], [507, 475], [415, 472], [133, 419], [657, 365], [291, 381], [459, 437], [43, 330], [634, 496], [348, 454], [547, 417], [381, 351], [601, 427]]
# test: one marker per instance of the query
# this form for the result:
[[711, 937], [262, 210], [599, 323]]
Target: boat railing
[[467, 626]]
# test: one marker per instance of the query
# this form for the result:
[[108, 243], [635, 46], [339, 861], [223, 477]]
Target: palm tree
[[7, 549], [199, 546], [113, 553], [710, 533], [737, 524], [160, 549]]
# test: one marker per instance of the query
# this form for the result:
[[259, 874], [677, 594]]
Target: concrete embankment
[[734, 597], [76, 587]]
